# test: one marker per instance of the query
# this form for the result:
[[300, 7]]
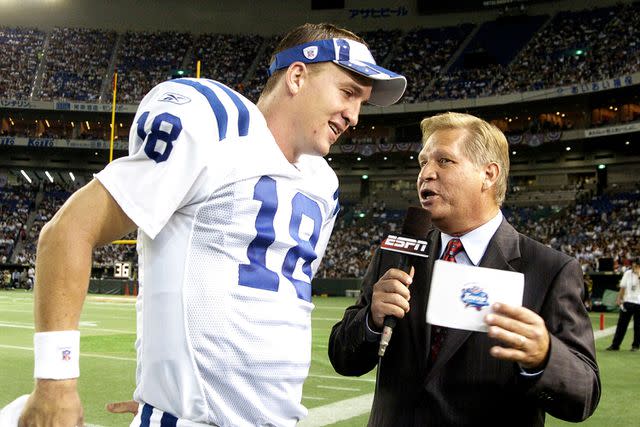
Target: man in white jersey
[[628, 300], [234, 206]]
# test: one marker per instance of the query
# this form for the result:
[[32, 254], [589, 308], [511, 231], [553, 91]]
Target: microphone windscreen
[[417, 223]]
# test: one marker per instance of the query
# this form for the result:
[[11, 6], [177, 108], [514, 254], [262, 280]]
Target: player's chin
[[322, 148]]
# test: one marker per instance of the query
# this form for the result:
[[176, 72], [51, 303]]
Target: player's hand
[[53, 403], [130, 407], [391, 296], [522, 333]]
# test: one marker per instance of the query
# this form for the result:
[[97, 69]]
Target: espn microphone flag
[[411, 240], [405, 245], [409, 244]]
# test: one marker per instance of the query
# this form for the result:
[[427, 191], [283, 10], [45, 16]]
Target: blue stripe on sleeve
[[243, 111], [335, 197], [145, 418], [214, 102]]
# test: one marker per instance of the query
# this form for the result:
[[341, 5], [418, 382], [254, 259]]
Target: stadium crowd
[[575, 47], [569, 48], [603, 226], [226, 57], [76, 63], [19, 58], [146, 59]]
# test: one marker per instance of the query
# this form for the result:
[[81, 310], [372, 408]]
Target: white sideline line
[[338, 411], [607, 331], [84, 325], [133, 359], [99, 356], [336, 377], [330, 387]]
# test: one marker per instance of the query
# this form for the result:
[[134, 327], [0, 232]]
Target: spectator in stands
[[628, 300]]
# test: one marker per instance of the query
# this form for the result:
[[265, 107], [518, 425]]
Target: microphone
[[409, 244]]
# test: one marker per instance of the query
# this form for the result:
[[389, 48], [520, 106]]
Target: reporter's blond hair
[[485, 143]]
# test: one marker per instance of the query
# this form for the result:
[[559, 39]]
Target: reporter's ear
[[130, 406]]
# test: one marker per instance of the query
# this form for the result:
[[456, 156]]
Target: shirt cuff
[[370, 334], [529, 374]]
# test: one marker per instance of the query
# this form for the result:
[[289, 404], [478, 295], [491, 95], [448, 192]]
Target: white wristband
[[57, 355]]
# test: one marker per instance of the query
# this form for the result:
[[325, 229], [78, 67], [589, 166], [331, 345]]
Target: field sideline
[[108, 365]]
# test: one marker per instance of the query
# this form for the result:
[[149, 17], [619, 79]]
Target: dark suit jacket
[[467, 386]]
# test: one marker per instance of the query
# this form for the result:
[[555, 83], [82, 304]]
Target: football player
[[234, 206]]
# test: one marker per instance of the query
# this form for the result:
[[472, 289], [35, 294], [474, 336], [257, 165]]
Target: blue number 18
[[256, 274]]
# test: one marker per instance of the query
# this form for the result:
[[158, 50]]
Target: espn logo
[[405, 245]]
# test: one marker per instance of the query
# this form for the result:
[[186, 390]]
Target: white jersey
[[631, 284], [230, 235]]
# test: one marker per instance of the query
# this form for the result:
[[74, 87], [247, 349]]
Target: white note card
[[461, 295]]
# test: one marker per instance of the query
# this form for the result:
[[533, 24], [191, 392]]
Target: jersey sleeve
[[173, 134]]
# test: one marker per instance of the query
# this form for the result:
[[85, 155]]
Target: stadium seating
[[548, 51], [604, 226], [19, 58], [145, 59], [440, 63], [75, 64]]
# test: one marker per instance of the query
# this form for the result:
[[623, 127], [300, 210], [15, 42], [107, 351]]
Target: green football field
[[108, 365]]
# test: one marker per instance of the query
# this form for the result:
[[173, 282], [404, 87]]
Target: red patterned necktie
[[439, 332]]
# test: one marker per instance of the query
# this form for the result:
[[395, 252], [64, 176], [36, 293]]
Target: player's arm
[[90, 218], [620, 297]]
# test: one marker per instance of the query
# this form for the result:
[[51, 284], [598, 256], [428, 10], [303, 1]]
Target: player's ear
[[295, 77]]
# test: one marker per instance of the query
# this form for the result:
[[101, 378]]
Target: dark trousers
[[631, 310]]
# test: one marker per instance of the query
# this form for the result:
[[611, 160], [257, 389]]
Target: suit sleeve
[[349, 351], [569, 387]]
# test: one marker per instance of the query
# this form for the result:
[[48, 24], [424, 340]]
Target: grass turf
[[108, 362]]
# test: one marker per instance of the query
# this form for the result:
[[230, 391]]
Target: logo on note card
[[474, 296]]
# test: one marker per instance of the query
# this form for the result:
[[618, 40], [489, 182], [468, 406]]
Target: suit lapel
[[503, 250]]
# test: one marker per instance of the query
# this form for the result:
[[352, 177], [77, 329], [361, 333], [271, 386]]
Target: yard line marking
[[15, 298], [104, 356], [84, 326], [89, 324], [335, 377], [331, 319], [99, 356], [338, 411], [330, 387], [314, 398], [13, 325], [606, 332], [112, 299]]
